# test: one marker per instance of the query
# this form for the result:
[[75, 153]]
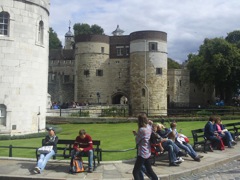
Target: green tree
[[234, 38], [217, 63], [95, 29], [87, 29], [54, 42], [173, 64]]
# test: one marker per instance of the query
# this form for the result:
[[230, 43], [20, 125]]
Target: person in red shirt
[[83, 146]]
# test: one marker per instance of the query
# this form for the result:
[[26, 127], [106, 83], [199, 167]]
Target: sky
[[186, 22]]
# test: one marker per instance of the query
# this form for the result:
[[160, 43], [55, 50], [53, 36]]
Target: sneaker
[[173, 164], [36, 170], [180, 159], [197, 159], [178, 162], [233, 142], [90, 170]]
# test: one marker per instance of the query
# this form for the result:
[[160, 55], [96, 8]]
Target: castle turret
[[69, 39], [118, 31], [148, 72], [91, 57], [24, 66]]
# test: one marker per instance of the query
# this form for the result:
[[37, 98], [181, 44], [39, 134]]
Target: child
[[156, 139]]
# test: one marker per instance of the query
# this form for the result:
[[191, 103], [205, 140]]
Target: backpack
[[77, 166]]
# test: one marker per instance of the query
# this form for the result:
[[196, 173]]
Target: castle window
[[102, 50], [180, 82], [120, 50], [66, 78], [143, 92], [53, 76], [86, 72], [153, 46], [127, 50], [159, 71], [168, 83], [99, 72], [3, 114], [4, 23], [40, 32]]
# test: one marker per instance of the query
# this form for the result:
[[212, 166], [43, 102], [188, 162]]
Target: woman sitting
[[224, 133]]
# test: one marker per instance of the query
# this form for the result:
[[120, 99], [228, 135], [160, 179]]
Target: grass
[[113, 137]]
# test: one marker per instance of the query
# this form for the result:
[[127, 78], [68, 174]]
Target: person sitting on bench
[[83, 146]]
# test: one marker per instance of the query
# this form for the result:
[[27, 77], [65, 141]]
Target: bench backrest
[[198, 135], [69, 143]]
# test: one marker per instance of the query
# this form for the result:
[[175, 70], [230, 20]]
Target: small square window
[[120, 51], [153, 46], [66, 78], [159, 71], [86, 72], [99, 72]]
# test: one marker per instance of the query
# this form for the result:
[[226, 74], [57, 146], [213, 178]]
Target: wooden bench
[[65, 146], [200, 139], [233, 128]]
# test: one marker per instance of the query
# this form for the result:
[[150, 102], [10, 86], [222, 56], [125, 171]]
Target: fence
[[125, 112], [11, 147]]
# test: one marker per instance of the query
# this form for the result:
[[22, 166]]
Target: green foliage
[[27, 136], [114, 112], [54, 42], [84, 28], [234, 37], [80, 114], [204, 113], [173, 64], [216, 64]]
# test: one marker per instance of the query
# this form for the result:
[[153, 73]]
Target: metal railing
[[125, 112], [11, 147]]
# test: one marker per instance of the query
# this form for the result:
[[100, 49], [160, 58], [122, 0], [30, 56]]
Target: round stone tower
[[91, 63], [148, 72], [24, 65]]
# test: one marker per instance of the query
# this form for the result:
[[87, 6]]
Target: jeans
[[43, 159], [188, 148], [169, 146], [228, 138], [137, 170], [89, 153]]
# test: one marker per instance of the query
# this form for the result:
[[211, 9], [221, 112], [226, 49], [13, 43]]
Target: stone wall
[[24, 66], [178, 88]]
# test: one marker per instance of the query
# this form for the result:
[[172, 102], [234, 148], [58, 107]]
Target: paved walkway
[[16, 168]]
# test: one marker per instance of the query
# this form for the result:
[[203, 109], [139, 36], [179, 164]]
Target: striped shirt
[[143, 143]]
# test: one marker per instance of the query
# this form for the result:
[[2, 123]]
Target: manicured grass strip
[[113, 137]]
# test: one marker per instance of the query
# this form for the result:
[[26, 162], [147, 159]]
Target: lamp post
[[98, 96]]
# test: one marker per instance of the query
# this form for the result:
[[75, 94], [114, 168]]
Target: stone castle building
[[24, 26], [116, 69]]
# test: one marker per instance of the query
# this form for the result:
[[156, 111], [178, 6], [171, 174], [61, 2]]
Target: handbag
[[45, 149]]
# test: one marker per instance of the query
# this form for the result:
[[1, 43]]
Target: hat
[[50, 128]]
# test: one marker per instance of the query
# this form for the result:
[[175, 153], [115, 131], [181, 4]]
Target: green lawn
[[112, 136]]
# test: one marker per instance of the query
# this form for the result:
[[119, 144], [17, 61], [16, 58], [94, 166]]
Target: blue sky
[[187, 22]]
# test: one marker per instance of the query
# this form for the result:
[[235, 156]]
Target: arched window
[[40, 32], [3, 114], [4, 23], [143, 92]]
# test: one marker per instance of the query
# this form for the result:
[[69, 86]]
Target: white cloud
[[187, 22]]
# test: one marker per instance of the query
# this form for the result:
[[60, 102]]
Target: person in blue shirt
[[211, 134]]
